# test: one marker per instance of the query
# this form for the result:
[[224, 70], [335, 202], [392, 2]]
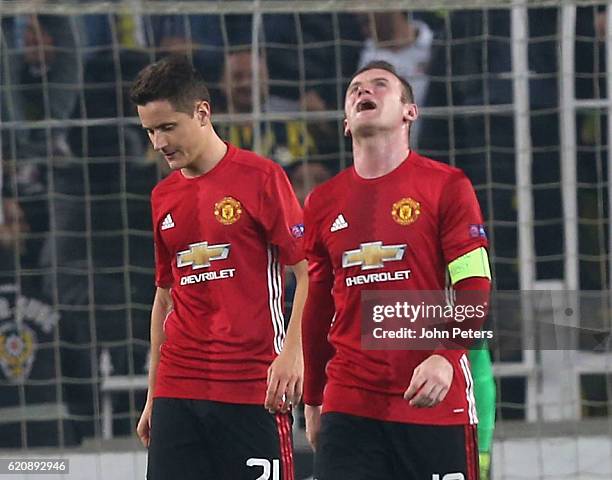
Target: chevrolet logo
[[201, 254], [372, 255]]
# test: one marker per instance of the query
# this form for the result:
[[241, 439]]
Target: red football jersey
[[429, 213], [221, 240]]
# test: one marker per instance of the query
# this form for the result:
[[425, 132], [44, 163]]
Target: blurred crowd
[[76, 257]]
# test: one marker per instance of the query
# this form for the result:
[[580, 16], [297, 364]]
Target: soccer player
[[225, 221], [393, 221]]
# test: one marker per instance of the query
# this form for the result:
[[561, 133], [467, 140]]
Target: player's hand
[[430, 383], [285, 379], [312, 415], [144, 424]]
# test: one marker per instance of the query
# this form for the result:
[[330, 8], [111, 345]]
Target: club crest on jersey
[[372, 255], [228, 210], [406, 211], [17, 350]]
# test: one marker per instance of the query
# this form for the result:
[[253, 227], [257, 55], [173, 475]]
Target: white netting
[[512, 92]]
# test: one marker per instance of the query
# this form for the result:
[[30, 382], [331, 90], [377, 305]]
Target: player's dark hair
[[407, 95], [173, 79]]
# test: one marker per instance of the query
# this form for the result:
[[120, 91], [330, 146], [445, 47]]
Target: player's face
[[176, 135], [374, 103]]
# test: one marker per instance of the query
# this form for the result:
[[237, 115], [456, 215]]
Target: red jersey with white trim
[[428, 214], [221, 240]]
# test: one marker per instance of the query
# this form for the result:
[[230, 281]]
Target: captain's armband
[[471, 264]]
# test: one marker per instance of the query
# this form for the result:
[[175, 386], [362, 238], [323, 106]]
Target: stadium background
[[513, 92]]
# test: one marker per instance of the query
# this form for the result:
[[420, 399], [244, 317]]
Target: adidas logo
[[167, 223], [339, 224]]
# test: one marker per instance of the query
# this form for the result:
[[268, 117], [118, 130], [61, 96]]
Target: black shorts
[[202, 440], [357, 448]]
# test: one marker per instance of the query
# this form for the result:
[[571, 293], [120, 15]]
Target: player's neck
[[378, 155], [215, 149]]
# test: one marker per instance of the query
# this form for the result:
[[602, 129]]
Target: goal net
[[512, 92]]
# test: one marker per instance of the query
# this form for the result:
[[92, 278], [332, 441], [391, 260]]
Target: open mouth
[[364, 105]]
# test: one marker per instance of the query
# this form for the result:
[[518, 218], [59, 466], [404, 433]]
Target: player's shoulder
[[254, 165], [434, 169], [439, 173], [330, 190]]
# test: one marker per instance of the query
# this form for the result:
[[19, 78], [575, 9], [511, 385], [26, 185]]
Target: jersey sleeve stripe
[[275, 297], [469, 390]]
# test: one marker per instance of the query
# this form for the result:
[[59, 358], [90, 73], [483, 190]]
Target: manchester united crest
[[228, 210], [406, 211]]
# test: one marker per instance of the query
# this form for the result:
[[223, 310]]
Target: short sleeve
[[163, 259], [319, 264], [281, 216], [462, 227]]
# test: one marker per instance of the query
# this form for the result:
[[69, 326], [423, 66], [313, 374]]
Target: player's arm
[[318, 315], [286, 374], [432, 379], [162, 304], [281, 217], [464, 248]]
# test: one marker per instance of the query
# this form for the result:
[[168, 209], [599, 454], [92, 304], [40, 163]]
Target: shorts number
[[448, 476], [273, 468]]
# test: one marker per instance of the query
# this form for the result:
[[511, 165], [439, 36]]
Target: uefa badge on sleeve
[[297, 230], [477, 231]]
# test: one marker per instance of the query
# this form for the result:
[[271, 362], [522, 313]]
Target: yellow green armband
[[472, 264]]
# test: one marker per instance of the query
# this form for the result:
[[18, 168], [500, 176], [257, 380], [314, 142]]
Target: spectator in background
[[46, 63], [305, 176], [310, 52], [405, 43], [41, 70], [237, 81], [95, 264], [33, 410], [286, 142]]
